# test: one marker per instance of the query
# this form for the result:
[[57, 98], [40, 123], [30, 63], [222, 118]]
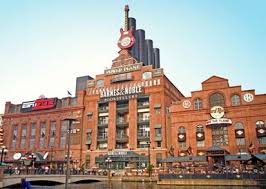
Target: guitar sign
[[126, 39]]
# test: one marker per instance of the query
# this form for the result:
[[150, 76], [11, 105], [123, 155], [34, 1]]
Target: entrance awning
[[216, 151]]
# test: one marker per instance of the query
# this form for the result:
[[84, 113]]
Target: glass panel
[[219, 135], [42, 134], [235, 100], [32, 135], [52, 134], [217, 99], [23, 136]]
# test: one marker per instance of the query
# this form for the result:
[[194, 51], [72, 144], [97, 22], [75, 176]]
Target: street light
[[33, 158], [3, 153], [149, 158], [108, 161], [70, 122]]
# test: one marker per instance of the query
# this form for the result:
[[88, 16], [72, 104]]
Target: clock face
[[248, 97], [125, 41]]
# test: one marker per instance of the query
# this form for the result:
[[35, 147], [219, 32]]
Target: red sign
[[39, 104], [44, 103]]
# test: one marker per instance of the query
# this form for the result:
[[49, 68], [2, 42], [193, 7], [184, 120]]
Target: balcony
[[121, 138], [103, 109], [143, 120], [143, 105], [122, 108], [144, 136], [103, 124], [121, 123], [102, 138]]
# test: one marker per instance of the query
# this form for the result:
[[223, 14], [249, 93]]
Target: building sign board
[[39, 104], [111, 94], [122, 77], [219, 121], [123, 69]]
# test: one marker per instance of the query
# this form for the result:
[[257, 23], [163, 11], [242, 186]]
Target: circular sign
[[248, 97], [186, 104], [217, 112], [17, 156]]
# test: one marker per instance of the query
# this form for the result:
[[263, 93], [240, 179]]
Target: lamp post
[[70, 122], [33, 158], [149, 158], [108, 161], [3, 153]]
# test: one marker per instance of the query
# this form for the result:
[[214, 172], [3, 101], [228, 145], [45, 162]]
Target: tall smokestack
[[134, 49], [156, 53], [149, 53], [141, 46]]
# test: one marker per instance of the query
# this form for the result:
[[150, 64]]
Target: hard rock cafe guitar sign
[[126, 39]]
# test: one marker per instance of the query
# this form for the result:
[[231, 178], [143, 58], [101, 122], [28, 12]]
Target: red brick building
[[219, 119]]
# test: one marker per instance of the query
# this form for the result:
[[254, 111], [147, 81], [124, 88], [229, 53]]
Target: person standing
[[25, 184]]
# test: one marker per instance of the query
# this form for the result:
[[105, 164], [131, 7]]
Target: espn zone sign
[[39, 104]]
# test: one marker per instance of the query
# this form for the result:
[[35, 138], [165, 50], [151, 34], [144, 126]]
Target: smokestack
[[141, 46], [149, 53], [156, 53], [134, 49]]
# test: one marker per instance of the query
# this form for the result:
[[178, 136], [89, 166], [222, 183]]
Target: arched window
[[200, 128], [261, 129], [260, 125], [235, 100], [240, 134], [217, 99], [181, 130], [239, 125], [197, 104]]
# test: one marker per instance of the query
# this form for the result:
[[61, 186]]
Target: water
[[135, 185]]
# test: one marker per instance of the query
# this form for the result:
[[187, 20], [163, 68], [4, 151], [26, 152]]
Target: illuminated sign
[[217, 112], [39, 104], [123, 69]]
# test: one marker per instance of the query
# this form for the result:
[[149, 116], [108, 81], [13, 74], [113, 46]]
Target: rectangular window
[[32, 135], [52, 134], [201, 143], [23, 136], [42, 134], [143, 131], [182, 145], [15, 136], [240, 141], [159, 144], [262, 140], [158, 132], [219, 135], [64, 126]]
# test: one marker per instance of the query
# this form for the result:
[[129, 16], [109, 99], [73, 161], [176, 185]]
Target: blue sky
[[46, 44]]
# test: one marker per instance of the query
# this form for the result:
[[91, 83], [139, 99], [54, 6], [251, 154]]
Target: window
[[23, 136], [240, 137], [159, 144], [158, 132], [235, 100], [64, 125], [217, 99], [197, 104], [103, 120], [52, 134], [260, 126], [32, 135], [99, 83], [146, 75], [200, 128], [181, 130], [219, 135], [42, 134], [144, 131], [14, 138], [201, 143]]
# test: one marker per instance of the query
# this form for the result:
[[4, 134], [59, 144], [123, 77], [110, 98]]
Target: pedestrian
[[25, 184]]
